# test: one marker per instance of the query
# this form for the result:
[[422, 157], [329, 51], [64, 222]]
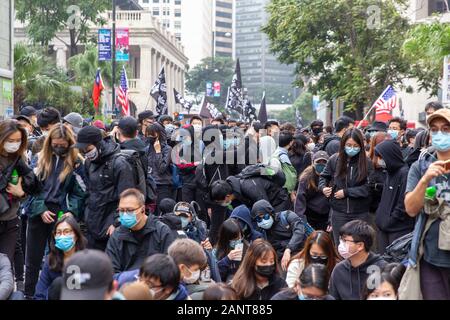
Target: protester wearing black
[[145, 118], [285, 230], [345, 182], [107, 176], [128, 129], [159, 162], [138, 237], [299, 156], [391, 218], [310, 202]]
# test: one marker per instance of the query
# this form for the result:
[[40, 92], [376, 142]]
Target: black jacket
[[250, 190], [139, 146], [276, 284], [376, 183], [128, 249], [104, 189], [391, 213], [287, 232], [348, 283], [300, 162], [159, 164], [331, 144], [309, 202], [357, 193], [291, 295]]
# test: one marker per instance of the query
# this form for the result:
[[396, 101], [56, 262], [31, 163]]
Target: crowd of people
[[150, 208]]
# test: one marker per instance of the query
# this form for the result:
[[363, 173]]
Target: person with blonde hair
[[62, 192]]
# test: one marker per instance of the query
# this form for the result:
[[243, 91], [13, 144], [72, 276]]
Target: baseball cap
[[99, 124], [145, 115], [128, 125], [87, 136], [378, 126], [320, 155], [441, 113], [75, 120], [28, 111], [183, 208], [22, 117], [87, 275]]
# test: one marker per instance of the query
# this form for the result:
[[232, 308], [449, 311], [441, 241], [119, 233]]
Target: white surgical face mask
[[45, 133], [382, 298], [197, 127], [195, 275], [310, 146], [12, 147]]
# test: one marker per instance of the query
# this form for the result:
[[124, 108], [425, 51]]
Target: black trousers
[[8, 237], [38, 236], [218, 216], [19, 254], [163, 192], [386, 238]]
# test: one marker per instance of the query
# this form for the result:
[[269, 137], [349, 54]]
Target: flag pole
[[367, 114], [148, 100]]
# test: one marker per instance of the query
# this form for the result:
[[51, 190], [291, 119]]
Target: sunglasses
[[266, 216]]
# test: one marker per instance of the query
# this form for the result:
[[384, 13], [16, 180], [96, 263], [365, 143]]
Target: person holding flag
[[159, 93], [122, 95]]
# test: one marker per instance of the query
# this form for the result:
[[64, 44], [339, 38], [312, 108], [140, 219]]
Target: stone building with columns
[[151, 47]]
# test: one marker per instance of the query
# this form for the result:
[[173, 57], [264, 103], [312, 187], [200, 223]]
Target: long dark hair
[[310, 175], [323, 240], [298, 146], [391, 273], [7, 128], [229, 230], [244, 281], [343, 159], [56, 256]]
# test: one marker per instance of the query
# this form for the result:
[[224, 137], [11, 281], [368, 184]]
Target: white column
[[61, 56], [145, 81]]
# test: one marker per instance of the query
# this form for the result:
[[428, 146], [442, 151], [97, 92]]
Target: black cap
[[87, 275], [378, 126], [87, 136], [28, 111], [145, 115], [128, 125], [22, 117]]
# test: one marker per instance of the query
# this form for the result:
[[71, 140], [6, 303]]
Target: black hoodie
[[159, 164], [348, 283], [391, 214]]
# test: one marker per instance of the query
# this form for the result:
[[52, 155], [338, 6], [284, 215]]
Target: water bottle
[[430, 194], [60, 214], [15, 177]]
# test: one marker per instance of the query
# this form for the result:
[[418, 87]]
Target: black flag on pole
[[235, 101], [262, 115], [209, 110], [159, 93], [180, 100], [249, 112]]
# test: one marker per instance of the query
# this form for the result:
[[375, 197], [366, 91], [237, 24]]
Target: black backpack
[[143, 183], [256, 170]]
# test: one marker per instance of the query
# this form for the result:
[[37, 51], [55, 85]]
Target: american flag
[[122, 95], [387, 101]]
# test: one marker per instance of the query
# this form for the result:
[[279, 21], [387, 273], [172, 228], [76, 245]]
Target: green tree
[[38, 81], [342, 46], [304, 104], [206, 72], [425, 48], [44, 18], [274, 95]]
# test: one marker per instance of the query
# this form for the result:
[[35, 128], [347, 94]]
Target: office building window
[[177, 24], [166, 23], [177, 2], [166, 11], [177, 13], [155, 1], [156, 11]]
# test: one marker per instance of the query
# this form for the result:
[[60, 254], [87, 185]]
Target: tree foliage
[[204, 72], [45, 18], [342, 46], [303, 103]]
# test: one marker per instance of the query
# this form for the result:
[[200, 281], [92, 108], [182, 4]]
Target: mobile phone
[[239, 246]]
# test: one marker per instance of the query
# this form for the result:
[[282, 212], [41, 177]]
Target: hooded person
[[391, 218], [103, 189], [244, 218], [127, 135], [284, 230]]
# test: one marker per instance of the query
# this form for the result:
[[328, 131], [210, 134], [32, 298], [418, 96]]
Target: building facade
[[6, 59], [151, 48], [191, 21], [223, 25], [260, 69]]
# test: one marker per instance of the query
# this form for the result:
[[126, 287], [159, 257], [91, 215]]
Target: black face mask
[[60, 151], [151, 140], [317, 131], [320, 260], [265, 271]]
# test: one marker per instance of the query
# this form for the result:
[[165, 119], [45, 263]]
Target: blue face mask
[[319, 167], [128, 219], [234, 243], [266, 224], [184, 222], [440, 141], [64, 243], [351, 151], [301, 297], [393, 134]]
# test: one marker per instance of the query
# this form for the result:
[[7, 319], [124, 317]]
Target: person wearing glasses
[[311, 285], [284, 230], [349, 277], [138, 237], [66, 239]]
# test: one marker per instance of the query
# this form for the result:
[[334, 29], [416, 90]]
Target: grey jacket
[[6, 277]]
